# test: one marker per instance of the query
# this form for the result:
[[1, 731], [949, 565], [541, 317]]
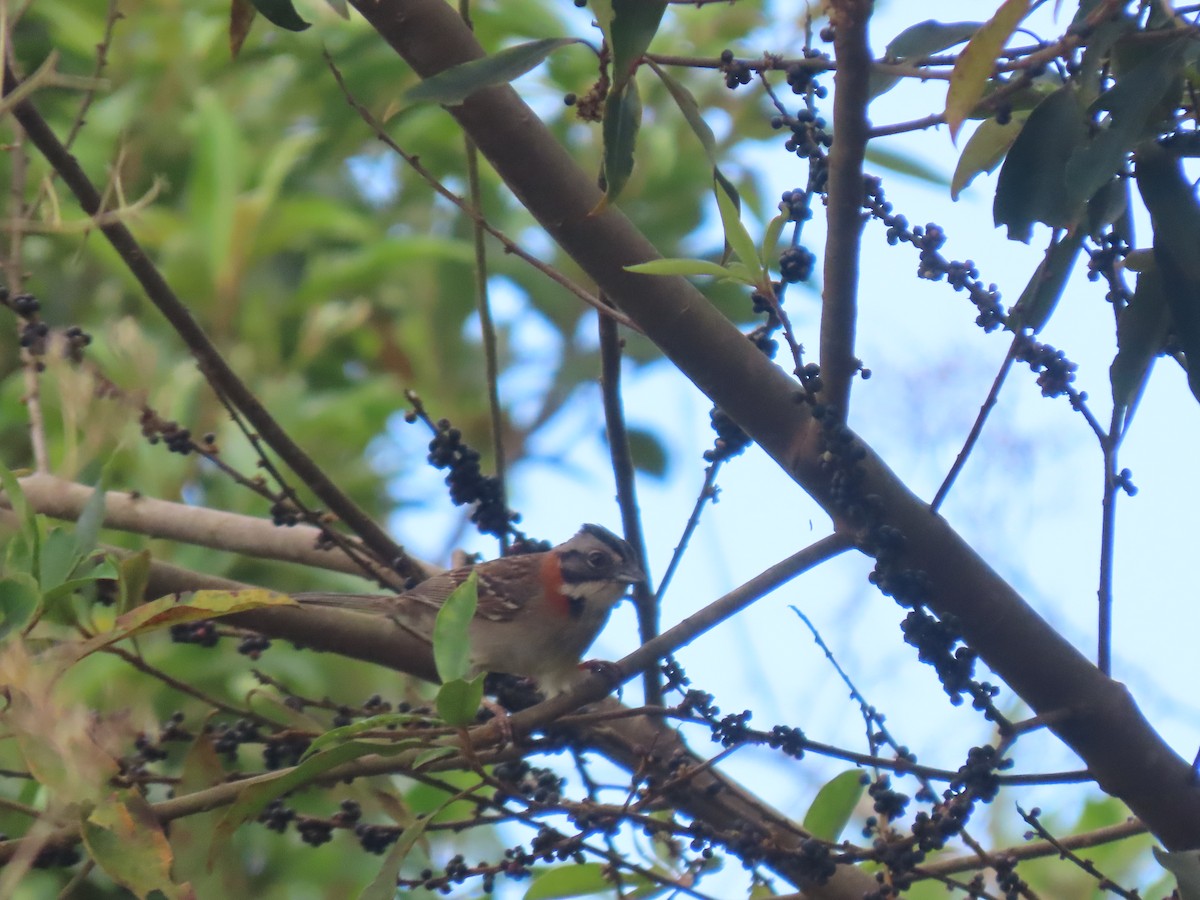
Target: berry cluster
[[732, 730], [802, 79], [1007, 879], [253, 645], [226, 738], [281, 751], [888, 803], [962, 276], [34, 331], [155, 429], [1102, 263], [816, 861], [937, 641], [730, 441], [796, 264], [736, 71], [1055, 372], [467, 482], [977, 776], [204, 633], [797, 204]]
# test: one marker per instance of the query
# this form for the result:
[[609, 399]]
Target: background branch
[[212, 364]]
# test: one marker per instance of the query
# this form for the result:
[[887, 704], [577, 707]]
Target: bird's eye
[[597, 559]]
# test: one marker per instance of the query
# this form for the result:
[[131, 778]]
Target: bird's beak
[[631, 574]]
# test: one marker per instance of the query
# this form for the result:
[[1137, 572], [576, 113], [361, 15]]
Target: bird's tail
[[367, 603]]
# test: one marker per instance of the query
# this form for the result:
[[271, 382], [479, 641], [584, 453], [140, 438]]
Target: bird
[[537, 613]]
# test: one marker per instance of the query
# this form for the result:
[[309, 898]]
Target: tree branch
[[839, 307], [231, 532]]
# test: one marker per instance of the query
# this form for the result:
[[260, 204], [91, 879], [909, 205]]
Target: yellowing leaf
[[975, 63], [193, 607], [124, 838]]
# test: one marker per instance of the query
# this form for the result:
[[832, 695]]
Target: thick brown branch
[[839, 306]]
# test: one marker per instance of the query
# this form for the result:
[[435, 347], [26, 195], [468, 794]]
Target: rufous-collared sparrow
[[537, 613]]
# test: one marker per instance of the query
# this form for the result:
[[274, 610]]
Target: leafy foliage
[[362, 305]]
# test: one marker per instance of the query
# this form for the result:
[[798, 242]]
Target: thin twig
[[1031, 819], [626, 482], [89, 96], [913, 125], [175, 684], [1108, 548], [977, 428], [1038, 849], [486, 325], [708, 494]]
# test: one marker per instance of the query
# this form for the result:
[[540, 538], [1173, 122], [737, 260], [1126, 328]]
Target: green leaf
[[1036, 303], [1134, 110], [1109, 205], [57, 558], [125, 839], [372, 723], [458, 700], [452, 86], [915, 43], [928, 37], [69, 587], [977, 61], [771, 238], [1095, 63], [649, 454], [133, 579], [676, 266], [431, 755], [737, 236], [452, 631], [19, 602], [622, 120], [1142, 328], [281, 13], [579, 880], [983, 152], [691, 111], [1175, 215], [833, 805], [87, 528], [1032, 185], [23, 550], [634, 24], [383, 885]]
